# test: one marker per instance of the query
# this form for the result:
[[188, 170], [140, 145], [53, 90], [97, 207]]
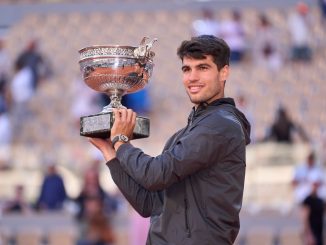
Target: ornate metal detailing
[[102, 51], [115, 68]]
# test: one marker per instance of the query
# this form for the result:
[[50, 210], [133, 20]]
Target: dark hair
[[201, 46]]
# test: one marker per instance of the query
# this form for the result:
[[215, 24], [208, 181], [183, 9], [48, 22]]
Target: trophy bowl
[[115, 70]]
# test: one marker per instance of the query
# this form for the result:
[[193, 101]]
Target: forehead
[[192, 61]]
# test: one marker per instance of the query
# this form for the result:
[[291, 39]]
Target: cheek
[[213, 80], [214, 86], [185, 79]]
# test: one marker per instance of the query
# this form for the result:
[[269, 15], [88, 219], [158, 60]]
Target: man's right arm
[[145, 202]]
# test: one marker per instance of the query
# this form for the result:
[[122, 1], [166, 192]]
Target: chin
[[196, 101]]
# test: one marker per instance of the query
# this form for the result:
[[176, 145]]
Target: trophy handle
[[144, 49], [143, 41]]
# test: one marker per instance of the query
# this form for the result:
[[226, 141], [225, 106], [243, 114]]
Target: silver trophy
[[115, 70]]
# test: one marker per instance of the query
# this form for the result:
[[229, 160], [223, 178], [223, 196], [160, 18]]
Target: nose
[[193, 76]]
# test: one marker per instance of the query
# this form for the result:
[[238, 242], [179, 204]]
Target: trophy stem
[[115, 97]]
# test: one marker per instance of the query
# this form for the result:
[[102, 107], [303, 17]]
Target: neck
[[206, 102]]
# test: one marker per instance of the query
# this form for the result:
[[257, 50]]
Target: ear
[[224, 73]]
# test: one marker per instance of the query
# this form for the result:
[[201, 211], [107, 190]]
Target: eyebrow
[[198, 65]]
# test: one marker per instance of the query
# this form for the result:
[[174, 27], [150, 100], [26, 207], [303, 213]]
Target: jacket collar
[[205, 107]]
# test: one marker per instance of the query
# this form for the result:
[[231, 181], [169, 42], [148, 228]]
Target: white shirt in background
[[21, 87]]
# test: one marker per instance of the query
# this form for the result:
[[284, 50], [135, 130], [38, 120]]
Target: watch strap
[[119, 137]]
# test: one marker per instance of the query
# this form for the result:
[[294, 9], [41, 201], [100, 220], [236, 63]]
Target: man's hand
[[124, 122], [105, 146]]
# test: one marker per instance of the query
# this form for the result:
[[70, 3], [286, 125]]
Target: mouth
[[195, 88]]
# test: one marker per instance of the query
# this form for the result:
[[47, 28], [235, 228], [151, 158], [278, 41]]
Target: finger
[[109, 142], [133, 118], [93, 141], [123, 115], [116, 114], [132, 123], [129, 115]]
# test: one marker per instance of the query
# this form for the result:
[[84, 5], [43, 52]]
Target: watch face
[[124, 138]]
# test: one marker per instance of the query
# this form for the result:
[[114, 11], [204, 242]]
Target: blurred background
[[55, 187]]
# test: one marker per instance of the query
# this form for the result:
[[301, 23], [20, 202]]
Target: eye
[[203, 68], [185, 69]]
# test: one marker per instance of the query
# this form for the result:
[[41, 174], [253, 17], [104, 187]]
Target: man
[[300, 28], [18, 203], [32, 58], [53, 192], [193, 190], [313, 214], [206, 25], [304, 174]]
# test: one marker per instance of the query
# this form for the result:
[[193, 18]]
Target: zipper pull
[[191, 116]]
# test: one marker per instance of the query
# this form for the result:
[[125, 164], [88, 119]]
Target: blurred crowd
[[20, 80], [18, 84], [93, 208], [265, 49]]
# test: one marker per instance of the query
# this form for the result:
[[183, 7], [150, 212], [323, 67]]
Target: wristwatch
[[120, 137]]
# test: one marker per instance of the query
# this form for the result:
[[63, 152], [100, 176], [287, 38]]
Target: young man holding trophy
[[192, 191]]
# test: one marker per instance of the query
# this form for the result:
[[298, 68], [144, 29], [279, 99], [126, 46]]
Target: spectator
[[299, 26], [86, 101], [233, 32], [53, 192], [5, 139], [18, 203], [33, 59], [92, 188], [265, 46], [313, 215], [97, 229], [304, 175], [242, 105], [206, 25], [322, 4], [283, 128], [4, 69], [21, 92]]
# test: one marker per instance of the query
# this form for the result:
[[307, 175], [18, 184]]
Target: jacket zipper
[[188, 233], [186, 218]]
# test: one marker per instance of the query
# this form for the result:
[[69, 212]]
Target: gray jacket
[[193, 190]]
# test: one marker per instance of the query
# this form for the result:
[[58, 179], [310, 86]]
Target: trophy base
[[99, 126]]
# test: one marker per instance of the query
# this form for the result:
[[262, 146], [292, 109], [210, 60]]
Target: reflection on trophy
[[115, 70]]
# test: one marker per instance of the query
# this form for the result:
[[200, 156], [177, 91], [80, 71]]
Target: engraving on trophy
[[115, 70]]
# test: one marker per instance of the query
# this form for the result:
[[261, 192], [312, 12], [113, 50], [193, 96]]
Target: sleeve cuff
[[113, 164], [122, 150]]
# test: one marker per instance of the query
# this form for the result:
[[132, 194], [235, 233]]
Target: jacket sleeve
[[145, 202], [196, 150]]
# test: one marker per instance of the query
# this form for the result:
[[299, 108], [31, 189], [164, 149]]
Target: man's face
[[202, 80]]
